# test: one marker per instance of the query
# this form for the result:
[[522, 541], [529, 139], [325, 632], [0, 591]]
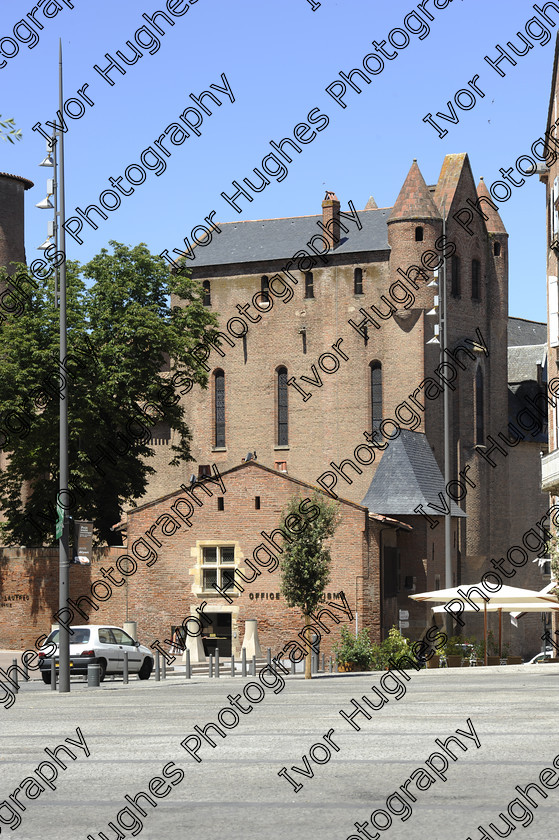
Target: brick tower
[[12, 189]]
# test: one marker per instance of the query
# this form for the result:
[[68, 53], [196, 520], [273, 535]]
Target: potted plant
[[393, 647], [453, 652], [469, 652], [493, 657], [354, 653], [479, 651]]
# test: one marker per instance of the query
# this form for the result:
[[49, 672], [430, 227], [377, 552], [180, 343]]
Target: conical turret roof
[[414, 200], [494, 223]]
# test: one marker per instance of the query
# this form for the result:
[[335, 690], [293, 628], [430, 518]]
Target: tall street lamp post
[[56, 147]]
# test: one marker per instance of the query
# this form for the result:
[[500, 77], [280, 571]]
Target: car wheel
[[145, 671], [103, 669], [46, 677]]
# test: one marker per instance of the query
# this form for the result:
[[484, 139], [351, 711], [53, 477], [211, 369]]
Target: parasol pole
[[485, 628]]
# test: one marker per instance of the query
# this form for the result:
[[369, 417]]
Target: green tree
[[305, 564], [8, 130], [122, 333]]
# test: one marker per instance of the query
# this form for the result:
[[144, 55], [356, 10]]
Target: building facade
[[326, 376], [326, 357]]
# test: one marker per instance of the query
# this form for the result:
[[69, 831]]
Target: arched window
[[309, 284], [358, 281], [207, 293], [476, 280], [282, 432], [376, 394], [264, 287], [479, 431], [419, 234], [455, 276], [497, 249], [219, 408]]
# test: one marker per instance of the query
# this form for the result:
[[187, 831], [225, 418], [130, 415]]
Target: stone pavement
[[133, 731]]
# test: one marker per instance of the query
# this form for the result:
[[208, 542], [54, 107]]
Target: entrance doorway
[[218, 634]]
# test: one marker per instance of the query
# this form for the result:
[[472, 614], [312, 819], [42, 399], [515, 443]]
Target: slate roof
[[527, 348], [523, 362], [280, 239], [521, 332], [407, 476]]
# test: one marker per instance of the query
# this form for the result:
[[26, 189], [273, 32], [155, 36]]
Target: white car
[[539, 657], [103, 645]]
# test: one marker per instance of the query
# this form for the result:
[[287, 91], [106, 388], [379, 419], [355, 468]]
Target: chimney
[[331, 219]]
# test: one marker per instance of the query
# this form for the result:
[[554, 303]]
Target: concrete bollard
[[232, 666], [254, 666], [125, 669], [243, 662], [163, 668], [323, 665], [157, 666], [292, 666], [93, 676], [269, 656], [187, 662], [250, 641], [211, 665], [217, 662], [331, 665], [14, 676], [52, 675]]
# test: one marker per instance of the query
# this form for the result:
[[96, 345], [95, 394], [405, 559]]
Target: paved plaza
[[133, 731]]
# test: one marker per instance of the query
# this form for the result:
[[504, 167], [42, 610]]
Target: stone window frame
[[197, 570]]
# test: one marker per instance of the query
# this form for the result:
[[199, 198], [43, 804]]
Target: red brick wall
[[160, 595]]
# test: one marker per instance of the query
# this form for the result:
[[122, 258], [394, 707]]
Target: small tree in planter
[[305, 565], [357, 652], [454, 652], [394, 646]]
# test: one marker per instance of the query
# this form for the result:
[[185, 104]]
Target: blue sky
[[278, 58]]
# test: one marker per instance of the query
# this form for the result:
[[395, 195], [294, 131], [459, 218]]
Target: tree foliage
[[122, 331], [8, 130], [305, 564]]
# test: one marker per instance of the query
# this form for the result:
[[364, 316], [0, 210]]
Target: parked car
[[540, 657], [96, 644]]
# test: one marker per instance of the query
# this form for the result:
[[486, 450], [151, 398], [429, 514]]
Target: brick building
[[180, 545], [325, 355], [326, 369]]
